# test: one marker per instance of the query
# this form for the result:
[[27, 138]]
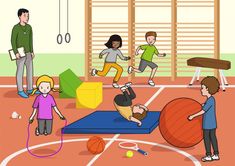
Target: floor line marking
[[134, 86], [15, 154]]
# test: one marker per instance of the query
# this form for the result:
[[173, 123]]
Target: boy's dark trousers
[[209, 137], [125, 99]]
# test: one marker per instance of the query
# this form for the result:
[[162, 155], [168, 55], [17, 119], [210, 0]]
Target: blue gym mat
[[111, 122]]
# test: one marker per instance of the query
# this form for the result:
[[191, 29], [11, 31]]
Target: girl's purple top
[[44, 106]]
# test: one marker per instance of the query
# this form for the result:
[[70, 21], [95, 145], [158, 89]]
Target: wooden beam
[[88, 20], [131, 36], [217, 33], [173, 39]]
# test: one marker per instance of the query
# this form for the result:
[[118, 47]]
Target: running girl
[[112, 51]]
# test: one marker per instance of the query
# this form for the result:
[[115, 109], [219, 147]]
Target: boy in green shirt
[[22, 36], [147, 57]]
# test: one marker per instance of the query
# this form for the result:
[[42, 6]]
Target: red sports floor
[[74, 151]]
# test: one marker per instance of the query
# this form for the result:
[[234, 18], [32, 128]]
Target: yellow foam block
[[89, 95]]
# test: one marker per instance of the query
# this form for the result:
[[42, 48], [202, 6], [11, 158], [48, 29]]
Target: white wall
[[44, 20]]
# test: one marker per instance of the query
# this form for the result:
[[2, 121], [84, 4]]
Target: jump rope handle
[[142, 152]]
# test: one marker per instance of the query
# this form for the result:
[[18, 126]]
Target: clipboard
[[20, 51]]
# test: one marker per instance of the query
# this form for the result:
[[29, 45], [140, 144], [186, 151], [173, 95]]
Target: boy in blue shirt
[[209, 86]]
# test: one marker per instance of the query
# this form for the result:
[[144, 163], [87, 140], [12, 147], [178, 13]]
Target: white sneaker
[[115, 85], [93, 72], [151, 83], [36, 132], [215, 157], [207, 158], [128, 84], [129, 70], [123, 88]]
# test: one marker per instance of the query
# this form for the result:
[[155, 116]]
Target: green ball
[[129, 154]]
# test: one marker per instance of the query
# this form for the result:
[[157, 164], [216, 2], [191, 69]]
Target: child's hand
[[190, 117], [31, 120], [139, 124], [127, 58], [162, 55], [100, 56], [62, 117]]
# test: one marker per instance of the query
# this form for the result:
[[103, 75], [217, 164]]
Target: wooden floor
[[14, 132]]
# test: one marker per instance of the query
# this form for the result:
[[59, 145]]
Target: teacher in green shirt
[[22, 36]]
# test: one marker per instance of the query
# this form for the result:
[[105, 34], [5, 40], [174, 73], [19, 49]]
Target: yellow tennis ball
[[129, 154]]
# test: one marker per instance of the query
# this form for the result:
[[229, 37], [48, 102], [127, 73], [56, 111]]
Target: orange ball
[[174, 125], [95, 145]]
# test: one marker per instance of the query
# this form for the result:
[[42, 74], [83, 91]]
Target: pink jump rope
[[44, 156]]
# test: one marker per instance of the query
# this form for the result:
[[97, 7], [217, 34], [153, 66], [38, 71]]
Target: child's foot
[[207, 158], [23, 94], [45, 133], [130, 69], [115, 85], [215, 157], [93, 72], [128, 84], [151, 83], [36, 132], [123, 88]]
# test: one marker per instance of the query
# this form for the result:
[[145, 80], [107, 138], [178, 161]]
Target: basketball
[[174, 125], [95, 145]]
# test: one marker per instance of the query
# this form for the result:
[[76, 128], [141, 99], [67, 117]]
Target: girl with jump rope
[[42, 106]]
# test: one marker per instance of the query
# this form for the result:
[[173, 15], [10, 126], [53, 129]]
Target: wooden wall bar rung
[[151, 23], [195, 6], [193, 49], [109, 6], [109, 32], [100, 23], [152, 5], [157, 31], [162, 36], [195, 40], [189, 54], [102, 41], [190, 71], [102, 36], [106, 28], [195, 32], [153, 27], [94, 2], [152, 1], [195, 23], [201, 45], [196, 36], [195, 1], [195, 27]]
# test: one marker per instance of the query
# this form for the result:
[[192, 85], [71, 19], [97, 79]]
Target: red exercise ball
[[174, 125]]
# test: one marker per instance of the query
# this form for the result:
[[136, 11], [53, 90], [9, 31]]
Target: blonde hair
[[45, 78]]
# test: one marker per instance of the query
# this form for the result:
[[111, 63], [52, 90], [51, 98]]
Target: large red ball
[[174, 125]]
